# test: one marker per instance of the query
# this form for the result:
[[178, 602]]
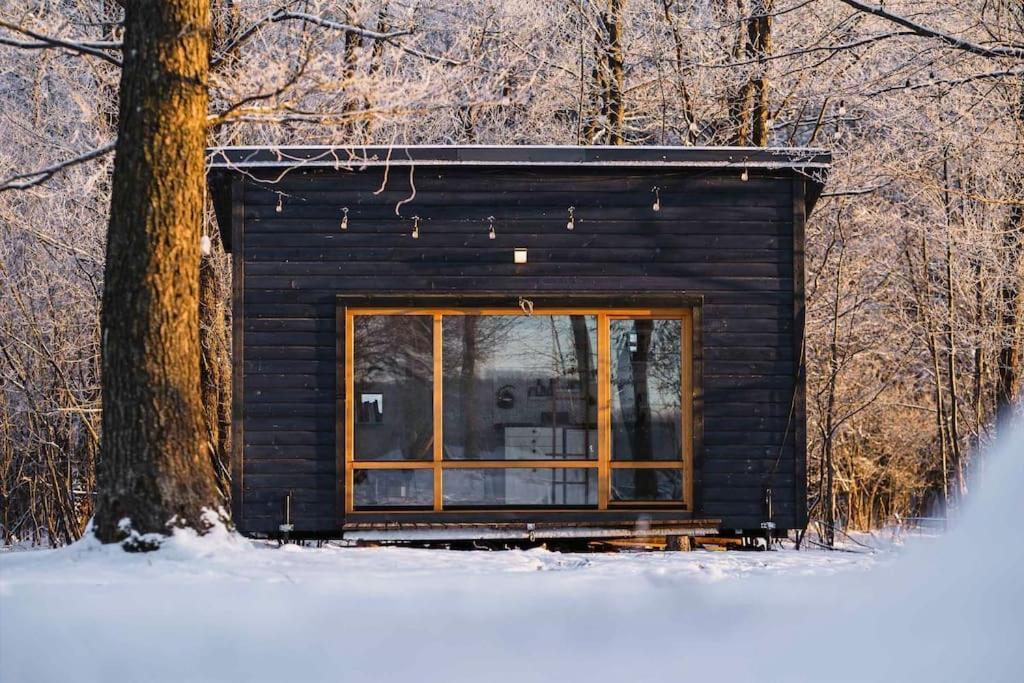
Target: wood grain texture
[[724, 244]]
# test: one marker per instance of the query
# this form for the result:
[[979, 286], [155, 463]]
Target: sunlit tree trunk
[[155, 466]]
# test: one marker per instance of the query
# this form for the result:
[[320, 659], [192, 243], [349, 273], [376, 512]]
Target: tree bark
[[215, 368], [749, 108], [155, 468], [609, 79]]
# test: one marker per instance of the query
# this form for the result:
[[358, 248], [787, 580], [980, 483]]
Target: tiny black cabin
[[517, 342]]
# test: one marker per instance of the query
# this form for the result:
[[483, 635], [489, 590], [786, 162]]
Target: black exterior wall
[[732, 246]]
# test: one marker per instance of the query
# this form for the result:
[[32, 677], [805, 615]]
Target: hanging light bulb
[[344, 218], [744, 176], [416, 227], [280, 202], [205, 245], [657, 199], [490, 229], [571, 225]]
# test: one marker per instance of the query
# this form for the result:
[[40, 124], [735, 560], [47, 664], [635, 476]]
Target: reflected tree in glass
[[520, 387], [646, 389], [393, 379]]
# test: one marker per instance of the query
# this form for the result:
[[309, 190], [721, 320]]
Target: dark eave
[[225, 162]]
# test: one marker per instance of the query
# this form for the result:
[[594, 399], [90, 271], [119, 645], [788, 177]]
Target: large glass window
[[393, 387], [646, 396], [520, 387], [520, 486], [647, 485], [394, 488], [492, 408]]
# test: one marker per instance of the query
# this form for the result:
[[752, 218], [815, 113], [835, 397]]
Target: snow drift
[[223, 609]]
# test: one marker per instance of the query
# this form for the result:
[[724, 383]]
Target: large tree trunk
[[609, 79], [749, 107], [155, 468]]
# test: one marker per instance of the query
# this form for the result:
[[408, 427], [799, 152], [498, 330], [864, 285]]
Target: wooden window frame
[[604, 464]]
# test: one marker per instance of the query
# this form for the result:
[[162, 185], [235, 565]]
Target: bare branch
[[23, 181], [952, 82], [91, 49], [288, 15], [928, 32]]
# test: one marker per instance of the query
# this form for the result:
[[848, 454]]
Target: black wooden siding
[[716, 236]]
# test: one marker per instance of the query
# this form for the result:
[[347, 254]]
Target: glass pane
[[647, 485], [394, 391], [646, 392], [394, 488], [520, 486], [520, 387]]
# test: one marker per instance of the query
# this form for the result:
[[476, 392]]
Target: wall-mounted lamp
[[519, 256]]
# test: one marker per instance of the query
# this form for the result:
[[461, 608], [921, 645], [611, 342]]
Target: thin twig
[[998, 51], [23, 181]]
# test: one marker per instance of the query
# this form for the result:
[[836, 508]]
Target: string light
[[744, 176], [657, 199], [571, 225], [490, 230], [416, 227], [344, 218], [280, 202]]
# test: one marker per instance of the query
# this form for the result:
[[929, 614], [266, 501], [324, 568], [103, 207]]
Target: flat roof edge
[[353, 158]]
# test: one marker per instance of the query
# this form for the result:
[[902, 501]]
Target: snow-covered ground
[[226, 609]]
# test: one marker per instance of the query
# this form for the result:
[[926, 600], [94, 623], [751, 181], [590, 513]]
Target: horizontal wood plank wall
[[715, 236]]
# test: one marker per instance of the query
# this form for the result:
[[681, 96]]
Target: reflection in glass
[[520, 387], [393, 377], [647, 484], [520, 486], [646, 391], [394, 488]]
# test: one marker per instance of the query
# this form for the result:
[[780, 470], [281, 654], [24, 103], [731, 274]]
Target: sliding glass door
[[501, 409]]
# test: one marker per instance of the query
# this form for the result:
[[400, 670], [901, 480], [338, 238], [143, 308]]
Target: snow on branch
[[928, 32], [23, 181], [289, 15], [89, 48]]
